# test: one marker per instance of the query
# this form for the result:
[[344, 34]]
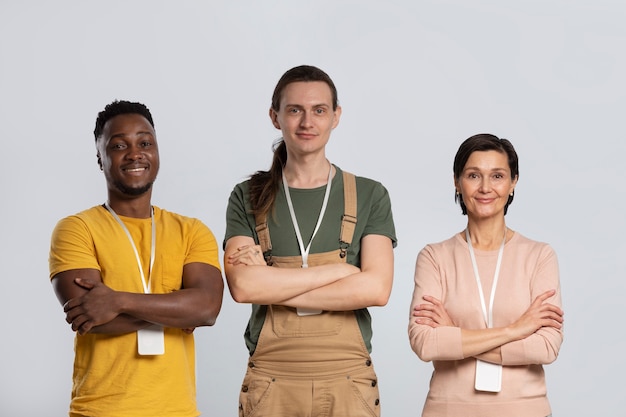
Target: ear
[[274, 118], [513, 184], [337, 116], [100, 161]]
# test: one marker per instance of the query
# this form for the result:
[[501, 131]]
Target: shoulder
[[171, 219], [83, 218], [541, 253], [446, 246], [365, 184], [167, 215], [241, 190], [440, 253], [530, 245]]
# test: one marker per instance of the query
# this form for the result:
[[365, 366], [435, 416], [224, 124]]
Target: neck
[[488, 235], [138, 207], [310, 174]]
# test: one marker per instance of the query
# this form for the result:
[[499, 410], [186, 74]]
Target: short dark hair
[[116, 108], [305, 73], [484, 142]]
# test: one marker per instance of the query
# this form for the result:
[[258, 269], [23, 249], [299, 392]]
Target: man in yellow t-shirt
[[134, 281]]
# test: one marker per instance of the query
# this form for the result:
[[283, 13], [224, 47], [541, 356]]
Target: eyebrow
[[478, 169], [123, 135], [314, 105]]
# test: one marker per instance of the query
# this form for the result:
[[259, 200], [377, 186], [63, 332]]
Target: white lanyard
[[146, 285], [487, 314], [305, 251]]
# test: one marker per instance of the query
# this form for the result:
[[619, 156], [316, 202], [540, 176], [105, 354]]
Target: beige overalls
[[314, 365]]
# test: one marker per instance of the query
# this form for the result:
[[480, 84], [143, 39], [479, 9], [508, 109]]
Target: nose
[[135, 153], [306, 119], [485, 184]]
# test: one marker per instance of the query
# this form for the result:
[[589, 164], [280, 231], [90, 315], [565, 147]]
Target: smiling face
[[485, 184], [128, 155], [306, 116]]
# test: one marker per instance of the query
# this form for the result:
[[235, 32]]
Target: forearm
[[186, 308], [493, 355], [360, 290], [260, 284], [370, 286], [121, 324], [485, 342]]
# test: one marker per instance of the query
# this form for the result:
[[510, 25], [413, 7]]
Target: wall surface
[[415, 78]]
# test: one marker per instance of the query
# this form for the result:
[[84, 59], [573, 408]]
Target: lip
[[306, 135], [485, 200], [135, 169]]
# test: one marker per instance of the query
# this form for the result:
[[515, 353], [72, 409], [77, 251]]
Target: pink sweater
[[444, 270]]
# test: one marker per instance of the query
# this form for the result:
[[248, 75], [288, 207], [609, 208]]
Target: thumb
[[85, 283]]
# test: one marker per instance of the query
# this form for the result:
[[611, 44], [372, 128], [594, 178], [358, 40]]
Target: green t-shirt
[[373, 217]]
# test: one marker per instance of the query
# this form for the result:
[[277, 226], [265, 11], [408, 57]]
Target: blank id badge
[[308, 311], [488, 376], [151, 340]]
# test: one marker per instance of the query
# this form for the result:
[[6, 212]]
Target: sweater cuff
[[449, 343]]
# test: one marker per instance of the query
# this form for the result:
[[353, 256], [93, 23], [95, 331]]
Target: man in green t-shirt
[[311, 248]]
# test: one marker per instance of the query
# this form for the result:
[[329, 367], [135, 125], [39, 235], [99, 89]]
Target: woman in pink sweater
[[486, 307]]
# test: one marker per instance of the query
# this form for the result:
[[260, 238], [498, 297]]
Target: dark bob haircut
[[484, 142]]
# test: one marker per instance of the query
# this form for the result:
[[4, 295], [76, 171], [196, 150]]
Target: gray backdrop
[[415, 78]]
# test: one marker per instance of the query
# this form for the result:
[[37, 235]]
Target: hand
[[247, 255], [432, 314], [539, 314], [95, 308]]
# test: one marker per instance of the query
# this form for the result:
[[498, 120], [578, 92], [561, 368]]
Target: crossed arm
[[485, 344], [92, 307], [532, 337], [333, 287]]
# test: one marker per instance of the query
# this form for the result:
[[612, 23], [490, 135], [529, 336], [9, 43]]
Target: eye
[[146, 144], [320, 110], [293, 110]]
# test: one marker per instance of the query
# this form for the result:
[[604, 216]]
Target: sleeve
[[238, 223], [542, 347], [71, 247], [380, 221], [203, 246], [441, 343]]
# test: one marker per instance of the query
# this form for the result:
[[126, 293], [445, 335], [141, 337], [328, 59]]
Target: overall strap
[[348, 220], [263, 232]]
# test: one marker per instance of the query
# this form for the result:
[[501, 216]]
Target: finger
[[71, 315], [556, 309], [432, 299], [85, 283], [85, 328], [426, 322], [551, 309], [551, 323], [77, 323], [555, 317], [427, 314], [543, 297]]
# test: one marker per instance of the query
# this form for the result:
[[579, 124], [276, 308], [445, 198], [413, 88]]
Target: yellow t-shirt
[[110, 378]]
